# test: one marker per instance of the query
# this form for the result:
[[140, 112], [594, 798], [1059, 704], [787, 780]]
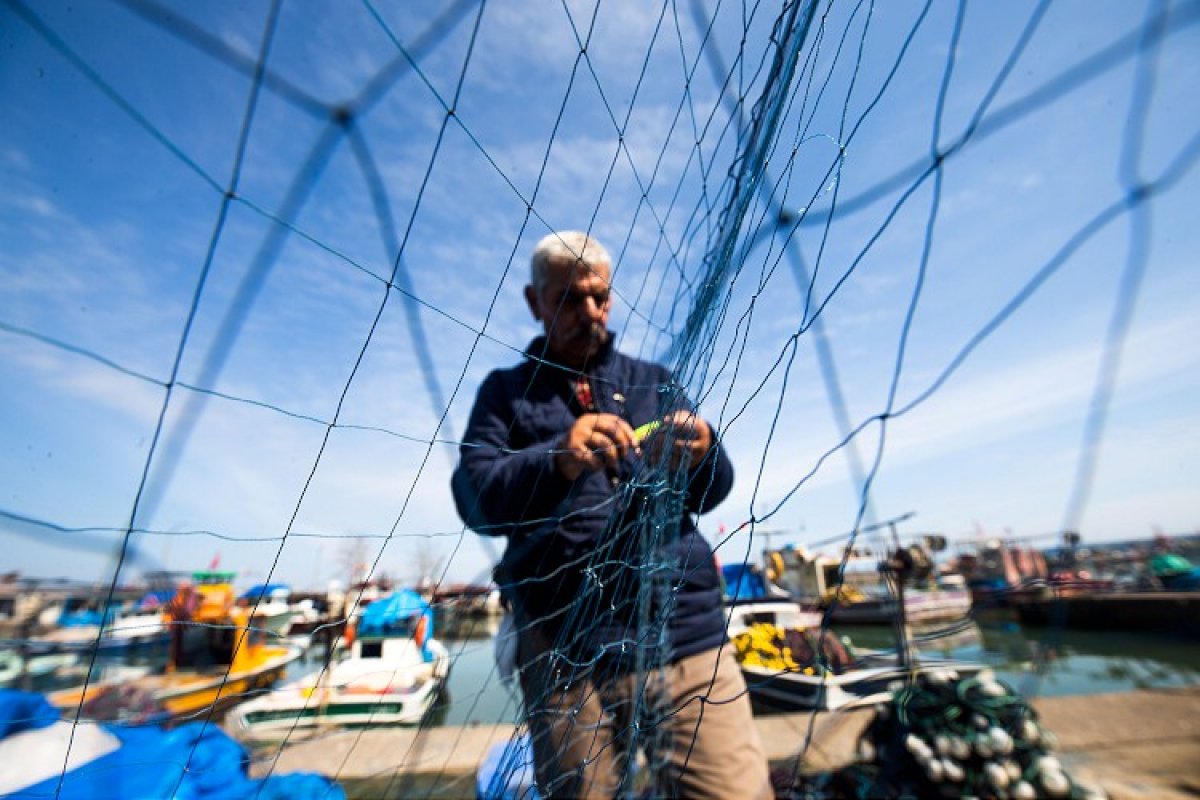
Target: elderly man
[[592, 464]]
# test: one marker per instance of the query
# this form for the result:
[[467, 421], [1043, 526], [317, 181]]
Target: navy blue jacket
[[611, 563]]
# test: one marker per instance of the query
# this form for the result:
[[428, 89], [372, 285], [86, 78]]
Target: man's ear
[[531, 298]]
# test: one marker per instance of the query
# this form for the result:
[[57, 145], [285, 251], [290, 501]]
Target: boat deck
[[186, 690]]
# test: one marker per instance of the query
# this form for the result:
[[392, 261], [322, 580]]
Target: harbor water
[[1037, 662]]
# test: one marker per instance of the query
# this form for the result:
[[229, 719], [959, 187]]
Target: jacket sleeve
[[710, 481], [497, 489]]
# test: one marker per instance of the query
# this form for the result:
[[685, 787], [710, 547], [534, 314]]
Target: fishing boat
[[79, 625], [791, 663], [216, 657], [14, 667], [854, 589], [393, 673], [777, 642], [999, 572], [118, 632], [942, 601], [1171, 570], [790, 657], [20, 604], [273, 612], [306, 618]]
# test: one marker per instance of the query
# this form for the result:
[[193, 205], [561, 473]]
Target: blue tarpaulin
[[262, 592], [83, 617], [191, 762], [389, 615], [743, 583], [507, 772]]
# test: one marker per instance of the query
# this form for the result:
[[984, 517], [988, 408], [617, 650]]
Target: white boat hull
[[867, 685], [356, 692]]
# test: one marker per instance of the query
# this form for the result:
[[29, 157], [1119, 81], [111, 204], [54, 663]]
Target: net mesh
[[259, 262]]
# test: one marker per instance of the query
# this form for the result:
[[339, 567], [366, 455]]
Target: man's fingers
[[599, 440], [614, 432], [615, 428], [622, 435], [597, 449], [594, 457], [683, 424], [689, 437]]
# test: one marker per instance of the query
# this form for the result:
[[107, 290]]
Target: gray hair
[[565, 247]]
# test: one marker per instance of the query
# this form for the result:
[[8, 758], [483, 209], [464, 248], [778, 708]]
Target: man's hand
[[594, 442], [690, 438]]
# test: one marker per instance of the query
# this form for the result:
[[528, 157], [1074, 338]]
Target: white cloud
[[62, 376], [983, 406]]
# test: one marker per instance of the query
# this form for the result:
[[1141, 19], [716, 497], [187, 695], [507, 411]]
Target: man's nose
[[593, 309]]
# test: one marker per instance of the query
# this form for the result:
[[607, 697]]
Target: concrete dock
[[1135, 745]]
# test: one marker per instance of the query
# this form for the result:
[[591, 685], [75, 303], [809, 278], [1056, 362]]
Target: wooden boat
[[216, 657], [393, 674]]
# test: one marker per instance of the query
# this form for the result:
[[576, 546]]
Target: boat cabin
[[400, 621], [816, 576], [209, 630]]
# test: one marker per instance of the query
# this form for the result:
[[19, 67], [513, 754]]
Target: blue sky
[[121, 135]]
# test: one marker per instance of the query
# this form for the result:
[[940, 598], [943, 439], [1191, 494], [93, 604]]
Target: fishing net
[[259, 256]]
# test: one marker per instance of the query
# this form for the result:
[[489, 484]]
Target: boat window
[[74, 604], [204, 646], [992, 562], [831, 574], [371, 650]]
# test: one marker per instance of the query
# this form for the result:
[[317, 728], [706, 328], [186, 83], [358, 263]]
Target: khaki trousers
[[692, 720]]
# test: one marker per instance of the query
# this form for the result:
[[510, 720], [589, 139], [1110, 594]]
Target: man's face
[[572, 305]]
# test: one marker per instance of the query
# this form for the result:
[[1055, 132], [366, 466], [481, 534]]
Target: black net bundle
[[951, 736]]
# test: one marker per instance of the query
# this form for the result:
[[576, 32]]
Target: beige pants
[[692, 720]]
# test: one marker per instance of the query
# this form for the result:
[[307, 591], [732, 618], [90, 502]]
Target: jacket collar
[[536, 353]]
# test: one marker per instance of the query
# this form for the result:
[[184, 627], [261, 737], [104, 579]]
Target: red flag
[[216, 562]]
